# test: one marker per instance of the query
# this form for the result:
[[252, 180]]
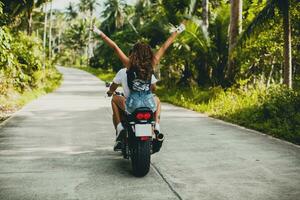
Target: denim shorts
[[140, 99]]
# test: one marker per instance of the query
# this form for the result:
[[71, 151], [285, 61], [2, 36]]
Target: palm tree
[[211, 49], [90, 6], [45, 33], [235, 28], [24, 6], [76, 37], [268, 12], [50, 31], [205, 13], [142, 7], [71, 12], [60, 26], [114, 15]]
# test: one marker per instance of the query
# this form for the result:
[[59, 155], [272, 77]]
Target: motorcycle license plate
[[143, 130]]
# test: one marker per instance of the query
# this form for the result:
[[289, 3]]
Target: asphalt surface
[[60, 147]]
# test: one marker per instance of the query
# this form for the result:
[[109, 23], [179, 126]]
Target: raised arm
[[159, 54], [121, 55]]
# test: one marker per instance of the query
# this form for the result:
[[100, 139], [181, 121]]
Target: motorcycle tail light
[[140, 116], [143, 116], [147, 116], [144, 138]]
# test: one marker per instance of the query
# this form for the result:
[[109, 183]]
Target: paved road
[[60, 147]]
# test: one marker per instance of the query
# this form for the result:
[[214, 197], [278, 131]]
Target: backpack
[[135, 84]]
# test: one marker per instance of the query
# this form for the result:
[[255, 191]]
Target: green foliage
[[22, 76], [76, 36], [114, 16], [21, 60], [75, 40], [13, 100], [203, 52], [274, 110], [175, 9], [28, 54]]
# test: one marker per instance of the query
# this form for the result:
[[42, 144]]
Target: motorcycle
[[140, 140]]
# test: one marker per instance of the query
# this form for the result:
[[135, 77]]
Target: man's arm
[[153, 87], [121, 55], [112, 89]]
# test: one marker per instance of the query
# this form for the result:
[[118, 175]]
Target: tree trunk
[[287, 78], [59, 39], [235, 28], [270, 75], [50, 32], [29, 21], [205, 13], [89, 39], [45, 34]]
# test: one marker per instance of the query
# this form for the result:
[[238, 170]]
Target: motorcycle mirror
[[107, 84]]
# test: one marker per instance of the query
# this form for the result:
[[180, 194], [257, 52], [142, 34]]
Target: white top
[[121, 79]]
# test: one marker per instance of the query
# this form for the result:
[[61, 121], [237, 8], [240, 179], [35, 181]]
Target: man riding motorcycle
[[118, 103]]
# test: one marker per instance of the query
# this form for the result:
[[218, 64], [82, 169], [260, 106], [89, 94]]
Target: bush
[[274, 110], [28, 54], [22, 76]]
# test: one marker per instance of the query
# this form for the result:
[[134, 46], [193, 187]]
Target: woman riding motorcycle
[[137, 79]]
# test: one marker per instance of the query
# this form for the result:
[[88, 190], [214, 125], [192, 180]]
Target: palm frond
[[268, 12], [40, 2], [196, 34]]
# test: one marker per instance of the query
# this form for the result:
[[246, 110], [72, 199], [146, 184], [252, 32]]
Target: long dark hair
[[141, 57]]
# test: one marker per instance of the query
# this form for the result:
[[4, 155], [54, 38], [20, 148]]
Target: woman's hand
[[175, 31], [124, 59], [180, 28]]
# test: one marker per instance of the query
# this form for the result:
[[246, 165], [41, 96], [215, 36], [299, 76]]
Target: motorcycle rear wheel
[[140, 158]]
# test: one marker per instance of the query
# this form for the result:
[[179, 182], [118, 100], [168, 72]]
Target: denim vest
[[140, 99], [140, 94]]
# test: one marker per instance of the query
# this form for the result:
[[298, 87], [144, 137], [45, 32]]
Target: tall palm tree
[[71, 12], [88, 6], [76, 37], [142, 7], [268, 12], [24, 6], [211, 49], [45, 33], [205, 13], [50, 31]]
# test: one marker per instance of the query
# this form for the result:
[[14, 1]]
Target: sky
[[62, 4]]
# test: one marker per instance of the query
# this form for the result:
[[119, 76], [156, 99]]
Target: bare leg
[[117, 104], [158, 109]]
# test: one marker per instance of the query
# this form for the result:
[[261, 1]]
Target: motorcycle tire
[[140, 158]]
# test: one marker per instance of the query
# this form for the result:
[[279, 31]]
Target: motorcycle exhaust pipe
[[160, 137]]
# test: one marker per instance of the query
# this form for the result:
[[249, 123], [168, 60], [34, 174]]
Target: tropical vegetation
[[24, 71]]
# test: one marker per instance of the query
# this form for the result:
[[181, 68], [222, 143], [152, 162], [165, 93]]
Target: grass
[[274, 111], [14, 100]]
